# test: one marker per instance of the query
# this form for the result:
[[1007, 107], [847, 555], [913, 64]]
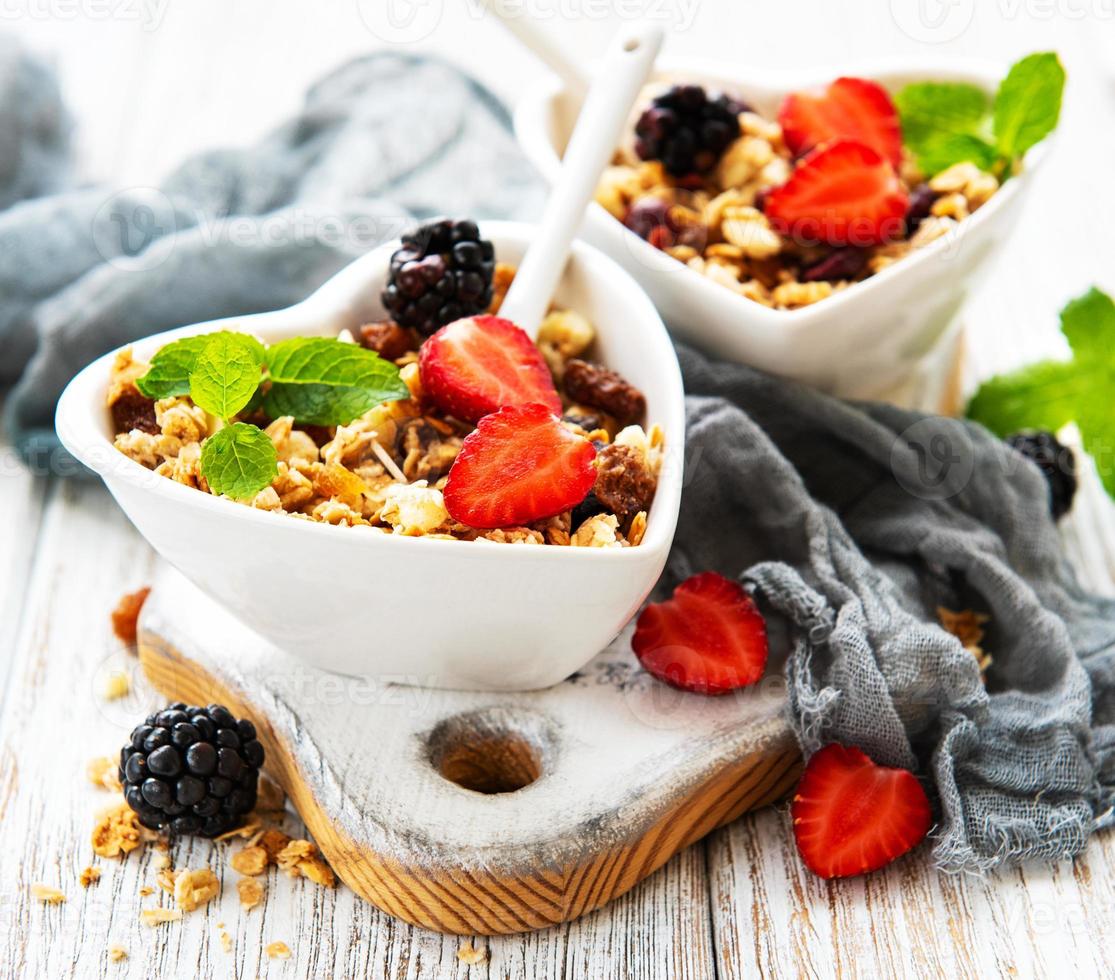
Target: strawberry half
[[474, 366], [517, 466], [843, 194], [852, 816], [708, 638], [850, 108]]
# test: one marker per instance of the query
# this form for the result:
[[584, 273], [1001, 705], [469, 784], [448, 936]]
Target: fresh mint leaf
[[1039, 396], [169, 374], [239, 461], [1028, 103], [1049, 394], [226, 373], [319, 404], [941, 152], [930, 109], [324, 361]]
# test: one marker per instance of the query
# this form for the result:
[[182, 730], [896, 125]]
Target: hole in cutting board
[[489, 751]]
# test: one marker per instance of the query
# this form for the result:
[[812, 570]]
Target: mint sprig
[[318, 380], [944, 123], [239, 461], [1051, 393]]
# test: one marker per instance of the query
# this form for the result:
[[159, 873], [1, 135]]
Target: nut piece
[[386, 338], [249, 861], [623, 484], [192, 889], [251, 892], [44, 893], [126, 613], [596, 386]]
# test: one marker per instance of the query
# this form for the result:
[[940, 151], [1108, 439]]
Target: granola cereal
[[103, 772], [116, 953], [472, 955], [967, 627], [277, 951], [117, 831], [159, 916], [715, 219], [89, 876], [301, 857], [47, 894], [385, 471], [250, 892], [192, 889], [252, 860]]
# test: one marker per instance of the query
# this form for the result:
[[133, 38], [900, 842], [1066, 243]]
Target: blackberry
[[687, 130], [191, 770], [441, 272], [1056, 462]]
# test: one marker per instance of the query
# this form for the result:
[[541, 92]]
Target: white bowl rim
[[984, 73], [79, 433]]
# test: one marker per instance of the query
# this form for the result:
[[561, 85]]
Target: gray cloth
[[853, 523], [381, 141]]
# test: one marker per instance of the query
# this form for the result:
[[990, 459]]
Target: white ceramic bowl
[[474, 615], [863, 342]]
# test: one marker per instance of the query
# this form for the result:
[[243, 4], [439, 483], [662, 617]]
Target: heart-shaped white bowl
[[866, 340], [436, 613]]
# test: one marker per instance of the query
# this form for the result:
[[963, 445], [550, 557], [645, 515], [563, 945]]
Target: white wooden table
[[739, 904]]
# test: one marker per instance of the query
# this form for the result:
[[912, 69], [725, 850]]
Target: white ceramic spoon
[[597, 133]]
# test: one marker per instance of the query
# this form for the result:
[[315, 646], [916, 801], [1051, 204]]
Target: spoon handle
[[538, 38], [595, 137]]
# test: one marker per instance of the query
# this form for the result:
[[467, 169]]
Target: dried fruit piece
[[708, 638], [386, 338], [841, 264], [623, 485], [134, 411], [844, 193], [849, 108], [598, 387], [852, 816], [477, 365], [126, 615], [519, 465]]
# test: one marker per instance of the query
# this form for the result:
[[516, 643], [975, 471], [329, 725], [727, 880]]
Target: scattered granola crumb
[[103, 772], [468, 953], [155, 917], [273, 842], [117, 686], [117, 831], [226, 941], [277, 951], [245, 830], [89, 876], [301, 857], [148, 890], [161, 861], [116, 953], [44, 893], [195, 888], [250, 861], [251, 892], [967, 627], [126, 613]]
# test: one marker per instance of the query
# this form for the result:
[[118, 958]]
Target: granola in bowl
[[790, 206], [442, 421]]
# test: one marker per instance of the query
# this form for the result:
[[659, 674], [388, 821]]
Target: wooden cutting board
[[481, 813]]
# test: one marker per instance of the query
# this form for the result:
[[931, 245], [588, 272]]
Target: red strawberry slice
[[708, 637], [474, 366], [842, 194], [850, 108], [519, 465], [852, 816]]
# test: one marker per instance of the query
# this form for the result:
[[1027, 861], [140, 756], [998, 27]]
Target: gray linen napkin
[[851, 522]]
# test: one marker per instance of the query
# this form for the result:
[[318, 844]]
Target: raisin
[[843, 263], [623, 483], [586, 420], [597, 387], [134, 411], [921, 201], [386, 338]]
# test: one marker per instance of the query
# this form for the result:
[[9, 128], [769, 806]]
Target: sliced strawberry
[[842, 194], [472, 367], [852, 816], [518, 466], [850, 108], [708, 637]]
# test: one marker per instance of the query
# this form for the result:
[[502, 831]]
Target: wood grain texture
[[612, 774]]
